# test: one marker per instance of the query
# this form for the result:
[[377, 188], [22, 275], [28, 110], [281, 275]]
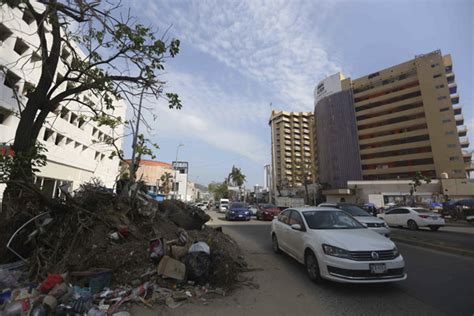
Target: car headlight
[[266, 213], [396, 253], [231, 212], [336, 252], [247, 213]]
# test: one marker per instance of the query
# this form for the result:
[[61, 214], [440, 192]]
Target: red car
[[267, 211]]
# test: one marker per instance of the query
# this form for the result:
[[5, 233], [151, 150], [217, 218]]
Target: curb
[[448, 249]]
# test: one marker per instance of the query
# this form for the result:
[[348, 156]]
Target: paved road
[[437, 284], [437, 280], [461, 239]]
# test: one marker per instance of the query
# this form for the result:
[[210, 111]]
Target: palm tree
[[236, 177], [165, 179]]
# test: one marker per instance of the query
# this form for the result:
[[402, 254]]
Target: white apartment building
[[75, 152]]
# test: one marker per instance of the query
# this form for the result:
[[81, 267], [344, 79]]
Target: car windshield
[[330, 220], [238, 205], [354, 210], [269, 206]]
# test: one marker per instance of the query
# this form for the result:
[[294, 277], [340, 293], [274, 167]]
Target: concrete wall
[[336, 140]]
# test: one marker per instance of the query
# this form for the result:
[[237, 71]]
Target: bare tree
[[105, 53]]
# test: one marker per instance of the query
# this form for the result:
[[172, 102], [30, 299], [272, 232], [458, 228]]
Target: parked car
[[202, 206], [334, 246], [238, 210], [223, 205], [372, 222], [267, 211], [253, 209], [412, 217]]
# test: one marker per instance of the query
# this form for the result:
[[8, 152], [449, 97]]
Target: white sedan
[[335, 246], [412, 217]]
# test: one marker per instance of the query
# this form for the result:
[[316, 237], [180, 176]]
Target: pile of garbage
[[96, 252]]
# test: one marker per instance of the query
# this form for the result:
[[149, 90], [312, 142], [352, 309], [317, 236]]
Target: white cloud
[[205, 118], [273, 42]]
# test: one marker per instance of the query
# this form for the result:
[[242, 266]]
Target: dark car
[[267, 211], [238, 211]]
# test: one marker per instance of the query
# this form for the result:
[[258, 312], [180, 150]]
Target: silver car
[[376, 224]]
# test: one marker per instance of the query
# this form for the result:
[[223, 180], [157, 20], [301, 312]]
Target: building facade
[[76, 151], [407, 119], [292, 148], [150, 172]]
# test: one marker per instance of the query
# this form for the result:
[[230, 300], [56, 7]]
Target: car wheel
[[276, 248], [312, 267], [434, 228], [412, 225], [258, 217]]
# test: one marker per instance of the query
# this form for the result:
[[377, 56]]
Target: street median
[[449, 248]]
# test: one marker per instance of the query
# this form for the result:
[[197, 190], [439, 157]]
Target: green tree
[[236, 177], [166, 182], [106, 54], [219, 190], [304, 171], [416, 181]]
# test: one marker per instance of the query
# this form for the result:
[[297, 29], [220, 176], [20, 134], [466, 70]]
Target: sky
[[241, 59]]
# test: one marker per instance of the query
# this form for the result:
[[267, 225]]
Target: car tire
[[312, 267], [275, 246], [258, 217], [434, 228], [412, 225]]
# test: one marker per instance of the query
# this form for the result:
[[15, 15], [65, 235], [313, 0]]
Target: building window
[[20, 46], [434, 65], [442, 98], [64, 113], [65, 54], [28, 16], [439, 86], [446, 120], [443, 109], [59, 139], [437, 76], [375, 74], [35, 57], [451, 145], [449, 133], [5, 32], [11, 80], [48, 134], [454, 158]]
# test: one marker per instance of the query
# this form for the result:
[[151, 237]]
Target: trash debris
[[92, 254], [200, 246], [171, 268]]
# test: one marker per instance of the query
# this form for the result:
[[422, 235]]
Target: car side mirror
[[296, 227]]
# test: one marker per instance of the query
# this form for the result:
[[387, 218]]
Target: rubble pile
[[92, 253]]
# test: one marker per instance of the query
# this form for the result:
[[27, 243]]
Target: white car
[[335, 246], [412, 217], [371, 222]]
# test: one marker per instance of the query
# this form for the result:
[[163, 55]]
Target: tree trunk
[[306, 193]]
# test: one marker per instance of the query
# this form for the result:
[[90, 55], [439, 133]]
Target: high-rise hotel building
[[391, 124], [292, 148]]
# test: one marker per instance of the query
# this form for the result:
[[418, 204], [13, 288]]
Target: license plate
[[378, 268], [240, 215]]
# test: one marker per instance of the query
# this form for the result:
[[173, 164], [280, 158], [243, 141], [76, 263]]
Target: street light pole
[[175, 173]]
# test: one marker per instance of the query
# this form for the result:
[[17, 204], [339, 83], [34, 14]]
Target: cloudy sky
[[241, 59]]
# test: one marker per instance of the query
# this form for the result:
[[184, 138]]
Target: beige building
[[408, 119], [150, 172], [292, 148]]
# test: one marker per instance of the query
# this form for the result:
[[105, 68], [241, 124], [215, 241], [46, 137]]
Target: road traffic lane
[[284, 275]]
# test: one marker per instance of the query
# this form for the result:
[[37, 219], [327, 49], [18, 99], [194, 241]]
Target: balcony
[[455, 99], [467, 154], [459, 119], [448, 69], [457, 109], [464, 142], [450, 77], [287, 125], [453, 88], [462, 130]]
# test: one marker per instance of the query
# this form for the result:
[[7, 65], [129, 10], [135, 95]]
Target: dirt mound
[[97, 229]]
